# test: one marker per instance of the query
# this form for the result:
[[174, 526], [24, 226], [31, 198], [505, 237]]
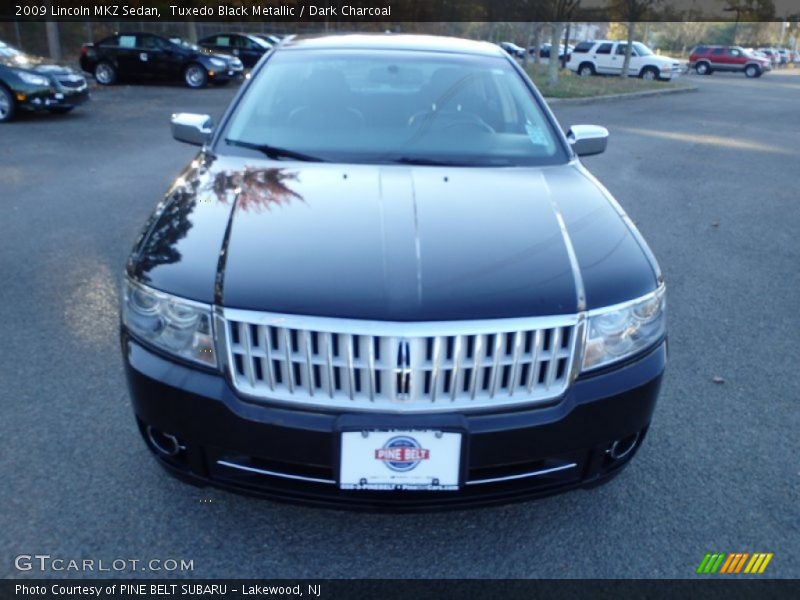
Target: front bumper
[[51, 97], [228, 74], [293, 454]]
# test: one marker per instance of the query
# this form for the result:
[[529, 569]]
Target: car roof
[[385, 41]]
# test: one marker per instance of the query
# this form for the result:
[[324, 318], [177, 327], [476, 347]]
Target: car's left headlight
[[31, 78], [217, 62], [620, 331], [176, 325]]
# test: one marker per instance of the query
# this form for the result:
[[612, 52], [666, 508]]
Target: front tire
[[195, 76], [649, 74], [8, 106], [105, 73], [703, 68], [586, 70], [752, 71]]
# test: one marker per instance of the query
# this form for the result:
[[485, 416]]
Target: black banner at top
[[395, 11]]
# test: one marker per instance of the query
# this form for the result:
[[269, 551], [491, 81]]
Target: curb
[[612, 97]]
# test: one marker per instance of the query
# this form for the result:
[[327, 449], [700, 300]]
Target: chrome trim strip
[[660, 290], [232, 465], [522, 475], [398, 329], [580, 290]]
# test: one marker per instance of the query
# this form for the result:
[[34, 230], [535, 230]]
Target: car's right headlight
[[175, 325], [219, 63], [31, 78], [618, 332]]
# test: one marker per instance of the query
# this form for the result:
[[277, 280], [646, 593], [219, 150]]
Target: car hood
[[37, 64], [663, 60], [392, 243]]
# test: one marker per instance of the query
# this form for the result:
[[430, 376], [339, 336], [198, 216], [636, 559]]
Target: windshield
[[641, 49], [393, 106], [8, 51]]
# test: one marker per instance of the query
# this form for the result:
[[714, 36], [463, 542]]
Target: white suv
[[606, 57]]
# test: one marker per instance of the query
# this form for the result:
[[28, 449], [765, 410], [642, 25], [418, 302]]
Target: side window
[[622, 48], [583, 47], [223, 40], [241, 42], [109, 41], [717, 51], [604, 49], [700, 50], [127, 41], [735, 52], [149, 42]]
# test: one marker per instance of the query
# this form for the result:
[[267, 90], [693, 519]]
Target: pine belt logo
[[402, 453], [734, 563]]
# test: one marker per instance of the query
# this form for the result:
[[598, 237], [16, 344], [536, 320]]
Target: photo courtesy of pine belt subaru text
[[387, 281]]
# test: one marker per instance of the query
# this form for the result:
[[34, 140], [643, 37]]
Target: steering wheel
[[445, 120]]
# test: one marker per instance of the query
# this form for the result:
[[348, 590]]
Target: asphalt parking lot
[[711, 179]]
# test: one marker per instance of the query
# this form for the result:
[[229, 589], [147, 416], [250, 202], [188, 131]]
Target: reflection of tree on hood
[[256, 188], [172, 226]]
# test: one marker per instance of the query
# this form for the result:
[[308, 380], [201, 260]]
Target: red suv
[[707, 59]]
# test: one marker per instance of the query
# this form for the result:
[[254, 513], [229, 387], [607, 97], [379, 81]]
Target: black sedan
[[145, 55], [33, 83], [373, 287], [249, 48]]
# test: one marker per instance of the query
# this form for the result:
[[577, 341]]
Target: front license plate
[[400, 460]]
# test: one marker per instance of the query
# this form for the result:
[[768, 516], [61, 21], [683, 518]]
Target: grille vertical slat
[[351, 379], [455, 383], [519, 336], [290, 359], [371, 367], [496, 352], [288, 368], [552, 365], [534, 370], [476, 367], [310, 383], [265, 342], [437, 358], [244, 334], [329, 361]]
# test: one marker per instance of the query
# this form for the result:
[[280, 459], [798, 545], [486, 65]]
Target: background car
[[544, 51], [270, 38], [771, 54], [145, 55], [248, 48], [707, 59], [512, 49], [32, 83], [606, 57]]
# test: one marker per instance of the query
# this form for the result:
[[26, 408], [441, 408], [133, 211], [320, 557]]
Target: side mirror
[[587, 139], [192, 128]]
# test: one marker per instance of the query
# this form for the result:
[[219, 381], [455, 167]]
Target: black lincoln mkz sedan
[[386, 280]]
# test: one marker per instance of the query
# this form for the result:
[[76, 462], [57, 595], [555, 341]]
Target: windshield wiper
[[274, 152], [433, 162]]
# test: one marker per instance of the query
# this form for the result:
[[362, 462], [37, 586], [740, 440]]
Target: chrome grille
[[403, 367]]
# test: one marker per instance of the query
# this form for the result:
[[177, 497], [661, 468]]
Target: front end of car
[[48, 89], [338, 411], [222, 67]]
